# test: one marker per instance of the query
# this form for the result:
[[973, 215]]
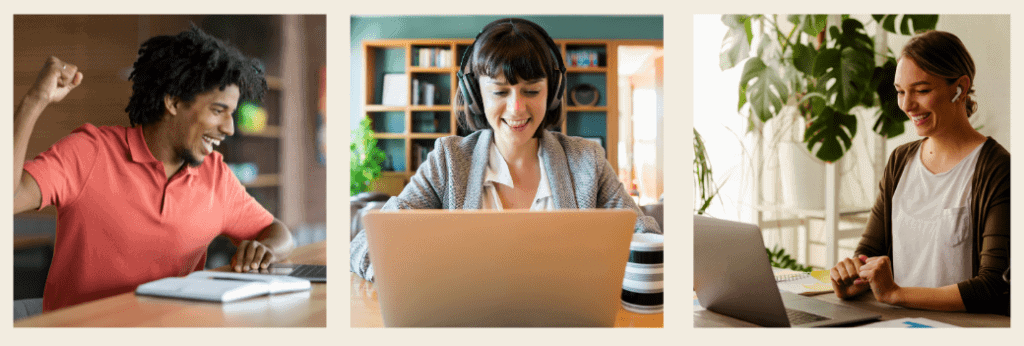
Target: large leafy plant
[[366, 158], [824, 70]]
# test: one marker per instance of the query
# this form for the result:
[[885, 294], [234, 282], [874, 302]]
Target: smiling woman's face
[[925, 98], [514, 111]]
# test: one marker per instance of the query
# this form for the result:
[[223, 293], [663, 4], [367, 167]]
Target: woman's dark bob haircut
[[519, 49], [943, 55], [184, 66]]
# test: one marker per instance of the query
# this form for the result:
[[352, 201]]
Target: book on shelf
[[415, 91], [435, 57], [428, 94], [423, 93], [396, 89]]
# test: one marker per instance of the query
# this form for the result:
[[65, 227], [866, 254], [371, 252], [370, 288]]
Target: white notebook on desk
[[222, 286]]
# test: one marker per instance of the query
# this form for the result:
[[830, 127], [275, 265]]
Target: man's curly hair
[[186, 65]]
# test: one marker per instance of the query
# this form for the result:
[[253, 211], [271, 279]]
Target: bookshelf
[[406, 125]]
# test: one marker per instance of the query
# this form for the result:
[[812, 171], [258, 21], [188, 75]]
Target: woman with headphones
[[939, 234], [510, 92]]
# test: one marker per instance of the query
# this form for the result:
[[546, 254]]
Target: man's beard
[[191, 160]]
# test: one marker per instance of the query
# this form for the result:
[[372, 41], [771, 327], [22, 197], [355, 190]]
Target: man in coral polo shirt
[[142, 203]]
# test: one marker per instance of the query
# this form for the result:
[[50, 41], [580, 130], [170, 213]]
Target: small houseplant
[[823, 70], [366, 158]]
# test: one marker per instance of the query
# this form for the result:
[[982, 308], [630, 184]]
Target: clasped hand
[[252, 255], [852, 276]]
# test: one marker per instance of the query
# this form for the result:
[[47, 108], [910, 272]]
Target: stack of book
[[435, 57], [423, 93]]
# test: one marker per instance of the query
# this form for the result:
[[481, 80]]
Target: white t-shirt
[[498, 173], [932, 224]]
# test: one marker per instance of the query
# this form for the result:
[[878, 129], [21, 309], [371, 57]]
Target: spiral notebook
[[803, 283]]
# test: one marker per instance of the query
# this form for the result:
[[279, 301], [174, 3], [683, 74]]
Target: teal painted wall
[[412, 27]]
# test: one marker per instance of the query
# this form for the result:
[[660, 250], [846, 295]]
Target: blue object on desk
[[916, 325]]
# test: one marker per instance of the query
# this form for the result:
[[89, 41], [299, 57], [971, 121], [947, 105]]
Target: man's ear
[[171, 104]]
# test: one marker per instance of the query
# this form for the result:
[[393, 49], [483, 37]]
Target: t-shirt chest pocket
[[955, 226]]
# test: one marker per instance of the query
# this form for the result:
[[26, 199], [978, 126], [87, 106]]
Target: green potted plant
[[823, 70], [366, 158]]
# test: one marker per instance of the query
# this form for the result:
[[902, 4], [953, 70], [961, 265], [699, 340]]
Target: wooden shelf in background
[[434, 108], [264, 180], [417, 69], [586, 108], [383, 108], [586, 69], [388, 135], [417, 135], [269, 131], [274, 83]]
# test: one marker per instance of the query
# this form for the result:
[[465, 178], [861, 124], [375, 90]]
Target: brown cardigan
[[990, 221]]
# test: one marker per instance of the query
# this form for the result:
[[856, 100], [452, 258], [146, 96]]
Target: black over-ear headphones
[[468, 80]]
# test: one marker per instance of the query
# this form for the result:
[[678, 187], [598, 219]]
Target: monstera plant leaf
[[736, 44], [890, 116], [810, 24], [921, 22], [844, 72], [830, 133], [764, 89]]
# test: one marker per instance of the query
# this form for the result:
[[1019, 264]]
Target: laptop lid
[[499, 268], [733, 276]]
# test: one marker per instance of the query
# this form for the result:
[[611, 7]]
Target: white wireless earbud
[[958, 91]]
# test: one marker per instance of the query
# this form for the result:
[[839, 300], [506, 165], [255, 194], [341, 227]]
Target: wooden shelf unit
[[399, 137]]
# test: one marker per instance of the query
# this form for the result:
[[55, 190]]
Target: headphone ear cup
[[556, 93], [470, 93]]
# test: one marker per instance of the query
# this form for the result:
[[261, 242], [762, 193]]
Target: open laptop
[[733, 276], [472, 268], [311, 272]]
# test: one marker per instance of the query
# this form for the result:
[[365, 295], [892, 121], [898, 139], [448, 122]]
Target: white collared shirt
[[498, 173]]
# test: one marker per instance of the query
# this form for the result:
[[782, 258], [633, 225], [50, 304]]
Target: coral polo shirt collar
[[140, 152]]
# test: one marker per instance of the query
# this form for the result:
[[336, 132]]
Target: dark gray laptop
[[733, 276], [311, 272]]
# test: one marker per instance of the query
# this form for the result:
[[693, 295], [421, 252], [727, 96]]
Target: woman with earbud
[[510, 90], [939, 234]]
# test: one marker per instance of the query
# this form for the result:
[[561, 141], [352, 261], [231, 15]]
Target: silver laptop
[[733, 276], [436, 268]]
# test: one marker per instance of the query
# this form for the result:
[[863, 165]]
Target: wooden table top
[[705, 318], [366, 309], [296, 309]]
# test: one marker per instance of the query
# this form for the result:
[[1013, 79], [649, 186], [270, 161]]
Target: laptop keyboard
[[309, 271], [801, 317]]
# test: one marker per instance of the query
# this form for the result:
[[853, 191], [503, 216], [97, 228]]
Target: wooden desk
[[297, 309], [867, 302], [366, 310]]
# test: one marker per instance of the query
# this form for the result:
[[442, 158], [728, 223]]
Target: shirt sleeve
[[244, 217], [62, 170]]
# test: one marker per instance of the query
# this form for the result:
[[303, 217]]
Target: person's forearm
[[946, 298], [278, 238], [25, 118]]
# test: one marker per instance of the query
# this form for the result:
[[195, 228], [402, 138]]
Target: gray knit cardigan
[[452, 177]]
